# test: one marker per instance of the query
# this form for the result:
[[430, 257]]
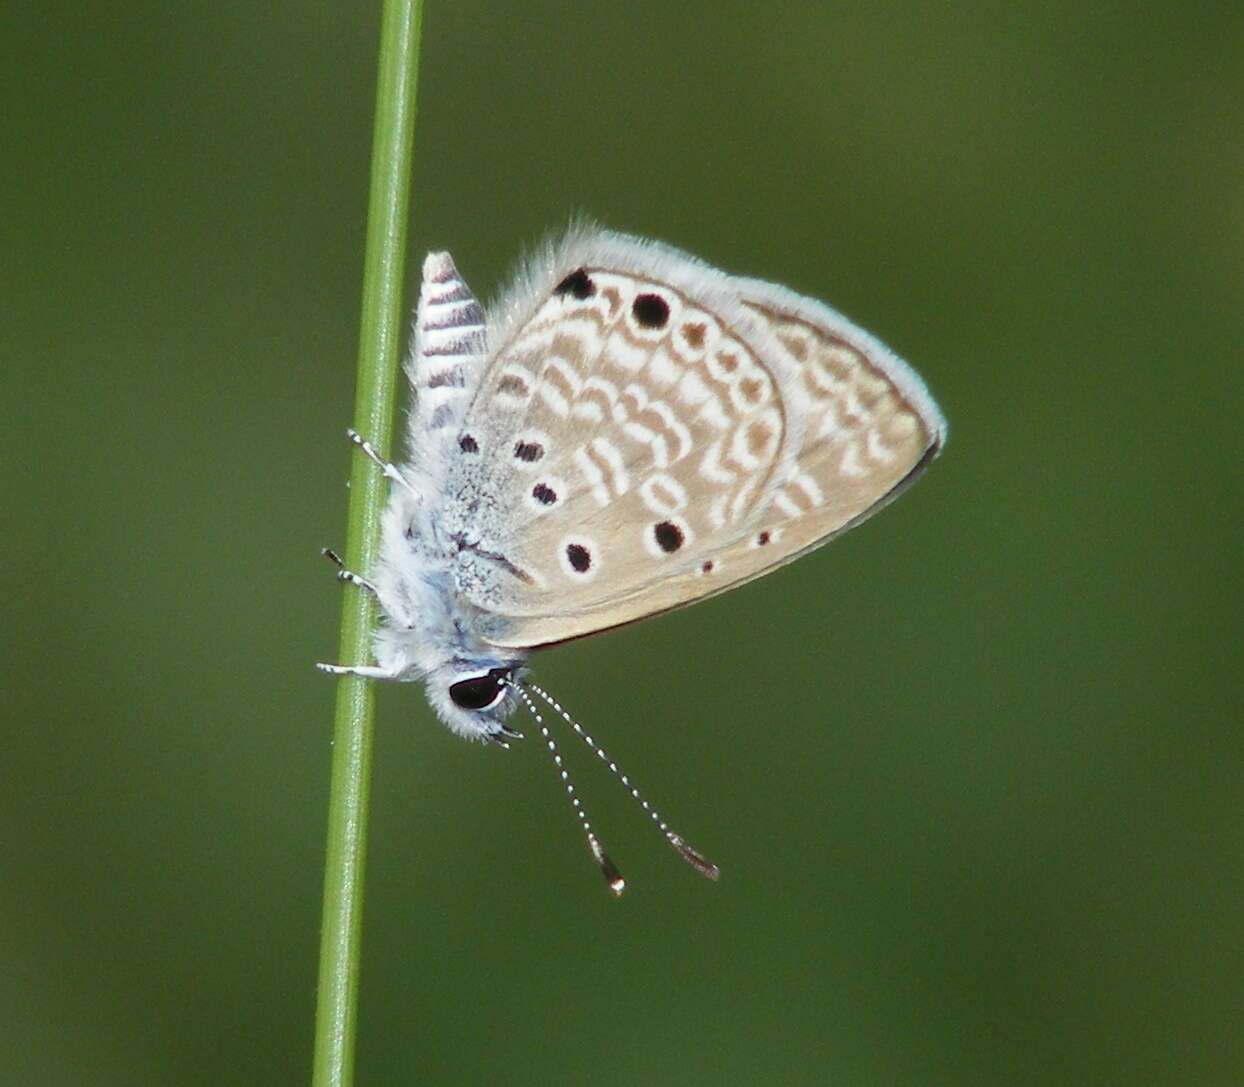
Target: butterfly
[[627, 431]]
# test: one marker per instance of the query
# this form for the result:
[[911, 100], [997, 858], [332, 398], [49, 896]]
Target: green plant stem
[[379, 340]]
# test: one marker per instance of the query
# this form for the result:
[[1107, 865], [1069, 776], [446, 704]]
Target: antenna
[[697, 861], [613, 878]]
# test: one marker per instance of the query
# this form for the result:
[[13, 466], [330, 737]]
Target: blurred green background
[[972, 774]]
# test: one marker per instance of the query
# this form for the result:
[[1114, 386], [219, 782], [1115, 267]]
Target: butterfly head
[[475, 697]]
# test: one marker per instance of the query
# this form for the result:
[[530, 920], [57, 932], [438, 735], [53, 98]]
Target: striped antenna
[[613, 878], [694, 858]]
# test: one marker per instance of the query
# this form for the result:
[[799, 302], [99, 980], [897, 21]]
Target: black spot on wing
[[650, 311], [578, 283], [668, 535]]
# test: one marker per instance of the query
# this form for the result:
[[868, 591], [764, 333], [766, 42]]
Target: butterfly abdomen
[[450, 341]]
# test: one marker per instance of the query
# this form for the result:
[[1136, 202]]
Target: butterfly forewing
[[653, 431]]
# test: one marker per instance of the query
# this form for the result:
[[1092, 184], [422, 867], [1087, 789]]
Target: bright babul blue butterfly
[[625, 432]]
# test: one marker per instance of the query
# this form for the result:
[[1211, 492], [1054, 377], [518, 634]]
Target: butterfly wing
[[649, 431]]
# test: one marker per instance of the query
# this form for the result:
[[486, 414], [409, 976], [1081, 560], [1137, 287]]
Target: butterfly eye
[[479, 692]]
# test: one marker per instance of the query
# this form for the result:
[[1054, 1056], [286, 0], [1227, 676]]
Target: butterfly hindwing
[[649, 431]]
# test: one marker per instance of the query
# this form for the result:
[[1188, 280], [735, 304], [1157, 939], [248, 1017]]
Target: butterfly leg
[[503, 735], [363, 671], [348, 576], [390, 470]]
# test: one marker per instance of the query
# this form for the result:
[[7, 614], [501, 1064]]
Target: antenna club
[[697, 860], [613, 878]]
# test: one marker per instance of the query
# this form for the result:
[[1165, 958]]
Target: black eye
[[478, 692]]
